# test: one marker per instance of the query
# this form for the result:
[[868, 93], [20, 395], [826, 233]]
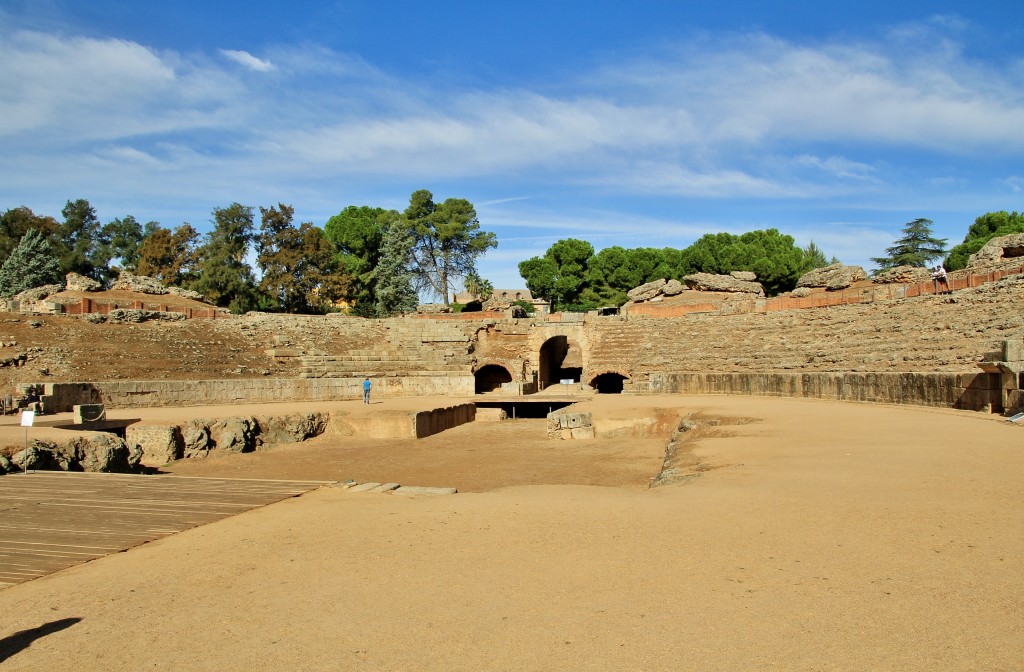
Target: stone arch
[[560, 359], [609, 382], [490, 377]]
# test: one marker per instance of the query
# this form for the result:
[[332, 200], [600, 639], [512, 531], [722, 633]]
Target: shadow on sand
[[19, 641]]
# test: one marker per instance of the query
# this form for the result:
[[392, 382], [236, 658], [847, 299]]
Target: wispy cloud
[[248, 60], [714, 118]]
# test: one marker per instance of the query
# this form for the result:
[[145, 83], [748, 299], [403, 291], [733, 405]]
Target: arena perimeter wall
[[60, 397], [968, 391]]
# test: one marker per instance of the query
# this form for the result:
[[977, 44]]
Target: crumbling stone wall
[[144, 394]]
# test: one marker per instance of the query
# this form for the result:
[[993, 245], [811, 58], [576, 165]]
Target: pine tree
[[917, 247], [31, 264], [225, 277], [394, 279]]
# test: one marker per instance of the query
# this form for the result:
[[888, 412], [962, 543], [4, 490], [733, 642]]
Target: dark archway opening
[[490, 378], [608, 383], [559, 360]]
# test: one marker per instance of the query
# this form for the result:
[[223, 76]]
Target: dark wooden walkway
[[53, 520]]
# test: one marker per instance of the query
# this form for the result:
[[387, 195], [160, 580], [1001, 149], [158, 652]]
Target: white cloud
[[727, 117], [248, 60], [80, 89], [1015, 183], [836, 165]]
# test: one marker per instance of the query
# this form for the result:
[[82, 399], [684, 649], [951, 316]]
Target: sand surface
[[815, 536]]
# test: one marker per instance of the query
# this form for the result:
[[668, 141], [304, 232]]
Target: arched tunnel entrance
[[490, 378], [608, 383], [560, 359]]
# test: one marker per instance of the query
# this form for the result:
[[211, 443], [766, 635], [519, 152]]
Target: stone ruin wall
[[925, 350]]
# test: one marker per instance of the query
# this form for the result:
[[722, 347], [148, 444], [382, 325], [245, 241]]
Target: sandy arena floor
[[818, 536]]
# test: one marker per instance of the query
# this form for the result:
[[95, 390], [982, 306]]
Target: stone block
[[582, 432], [364, 487], [491, 414], [88, 413], [160, 444], [420, 491]]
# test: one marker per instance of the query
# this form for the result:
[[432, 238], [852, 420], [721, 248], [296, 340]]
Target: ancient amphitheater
[[729, 501]]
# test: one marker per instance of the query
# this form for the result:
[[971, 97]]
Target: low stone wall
[[61, 397], [402, 424], [197, 438], [968, 391]]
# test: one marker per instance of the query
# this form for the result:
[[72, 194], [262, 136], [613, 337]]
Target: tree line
[[374, 260], [573, 277], [377, 261]]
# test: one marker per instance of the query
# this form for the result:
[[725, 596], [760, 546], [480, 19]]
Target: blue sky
[[622, 123]]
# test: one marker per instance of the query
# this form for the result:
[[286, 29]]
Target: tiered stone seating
[[417, 347]]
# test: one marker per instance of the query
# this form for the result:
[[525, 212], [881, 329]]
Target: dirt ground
[[816, 536]]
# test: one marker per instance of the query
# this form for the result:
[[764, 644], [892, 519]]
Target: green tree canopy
[[917, 247], [224, 276], [16, 222], [31, 264], [560, 276], [395, 291], [773, 256], [447, 241], [478, 286], [75, 240], [358, 234], [572, 277], [169, 256], [119, 240], [814, 258], [299, 264], [985, 228], [614, 271]]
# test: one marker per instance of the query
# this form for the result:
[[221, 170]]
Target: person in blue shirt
[[366, 391]]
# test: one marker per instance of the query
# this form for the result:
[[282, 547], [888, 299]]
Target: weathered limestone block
[[290, 428], [134, 316], [903, 275], [234, 435], [581, 432], [672, 288], [998, 250], [159, 444], [562, 425], [196, 441], [745, 276], [186, 294], [37, 294], [103, 452], [801, 292], [95, 453], [709, 282], [80, 283], [491, 414], [833, 276], [139, 283], [39, 456], [646, 291]]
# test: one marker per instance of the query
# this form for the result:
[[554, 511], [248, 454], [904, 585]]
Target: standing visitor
[[366, 390], [939, 277]]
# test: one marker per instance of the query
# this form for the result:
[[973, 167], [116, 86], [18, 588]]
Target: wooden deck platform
[[53, 520]]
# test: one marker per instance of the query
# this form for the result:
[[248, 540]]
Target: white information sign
[[27, 418]]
